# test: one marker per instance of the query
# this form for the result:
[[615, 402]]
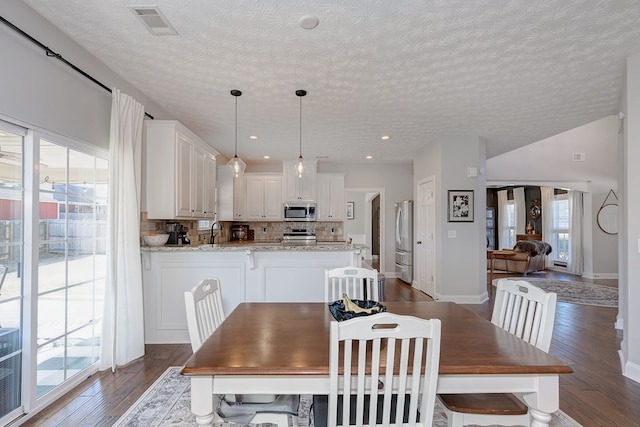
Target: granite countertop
[[254, 246]]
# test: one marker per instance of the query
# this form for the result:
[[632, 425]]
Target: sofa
[[526, 256]]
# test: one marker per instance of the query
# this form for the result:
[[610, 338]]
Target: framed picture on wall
[[350, 210], [460, 206]]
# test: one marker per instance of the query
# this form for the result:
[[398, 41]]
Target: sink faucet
[[214, 228]]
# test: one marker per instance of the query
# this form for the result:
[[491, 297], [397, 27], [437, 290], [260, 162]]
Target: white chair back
[[356, 282], [525, 311], [388, 362], [203, 304]]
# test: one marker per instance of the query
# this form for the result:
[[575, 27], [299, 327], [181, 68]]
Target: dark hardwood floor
[[596, 394]]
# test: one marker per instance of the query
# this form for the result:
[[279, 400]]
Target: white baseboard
[[632, 371], [600, 275], [463, 299], [619, 325]]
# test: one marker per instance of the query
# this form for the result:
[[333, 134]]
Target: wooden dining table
[[283, 348]]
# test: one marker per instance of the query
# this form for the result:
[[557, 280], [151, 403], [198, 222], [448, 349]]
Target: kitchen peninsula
[[248, 272]]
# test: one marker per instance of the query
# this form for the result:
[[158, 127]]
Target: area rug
[[167, 404], [574, 292]]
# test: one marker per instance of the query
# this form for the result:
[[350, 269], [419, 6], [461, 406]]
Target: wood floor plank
[[596, 394]]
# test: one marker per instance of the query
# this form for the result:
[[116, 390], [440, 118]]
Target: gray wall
[[396, 180], [460, 260], [43, 92]]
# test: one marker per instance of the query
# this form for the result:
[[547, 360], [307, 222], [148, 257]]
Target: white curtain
[[575, 264], [520, 210], [547, 219], [503, 233], [123, 327]]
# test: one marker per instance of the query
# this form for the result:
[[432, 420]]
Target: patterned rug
[[575, 292], [167, 404]]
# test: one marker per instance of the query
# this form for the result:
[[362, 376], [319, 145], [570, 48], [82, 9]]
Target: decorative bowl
[[339, 313], [156, 239]]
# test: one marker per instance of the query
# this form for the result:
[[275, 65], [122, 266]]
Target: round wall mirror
[[608, 219], [534, 210]]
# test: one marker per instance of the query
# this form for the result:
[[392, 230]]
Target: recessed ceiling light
[[253, 137], [309, 22], [267, 157], [369, 157], [385, 137]]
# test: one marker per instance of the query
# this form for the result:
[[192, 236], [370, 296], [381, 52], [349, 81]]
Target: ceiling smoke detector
[[309, 22], [153, 20]]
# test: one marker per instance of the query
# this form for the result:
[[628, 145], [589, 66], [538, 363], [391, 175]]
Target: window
[[510, 232], [71, 262], [560, 232]]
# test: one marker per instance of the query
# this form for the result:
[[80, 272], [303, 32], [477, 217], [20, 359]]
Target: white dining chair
[[205, 312], [387, 367], [527, 312], [356, 282]]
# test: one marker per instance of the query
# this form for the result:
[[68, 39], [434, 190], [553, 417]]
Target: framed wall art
[[460, 206], [350, 210]]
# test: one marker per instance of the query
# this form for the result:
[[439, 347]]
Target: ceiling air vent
[[578, 157], [153, 20]]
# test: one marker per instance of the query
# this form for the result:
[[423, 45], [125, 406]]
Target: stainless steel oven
[[299, 211]]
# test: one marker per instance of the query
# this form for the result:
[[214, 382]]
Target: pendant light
[[236, 164], [300, 165]]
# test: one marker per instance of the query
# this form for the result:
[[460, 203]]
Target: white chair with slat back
[[356, 282], [205, 313], [403, 354], [527, 312]]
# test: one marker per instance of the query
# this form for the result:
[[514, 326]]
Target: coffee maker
[[173, 229]]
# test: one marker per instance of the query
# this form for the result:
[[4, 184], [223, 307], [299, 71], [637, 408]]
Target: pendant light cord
[[300, 126], [236, 149]]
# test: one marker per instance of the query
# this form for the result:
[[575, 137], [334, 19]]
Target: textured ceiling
[[512, 72]]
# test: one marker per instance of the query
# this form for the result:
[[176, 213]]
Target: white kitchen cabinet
[[180, 172], [230, 196], [295, 188], [263, 197], [331, 203]]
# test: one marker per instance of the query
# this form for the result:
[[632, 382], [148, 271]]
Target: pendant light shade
[[236, 164], [300, 164]]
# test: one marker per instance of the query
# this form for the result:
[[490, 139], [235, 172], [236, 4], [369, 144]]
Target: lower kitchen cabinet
[[245, 276]]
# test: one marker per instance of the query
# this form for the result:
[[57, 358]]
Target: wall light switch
[[472, 172], [451, 234]]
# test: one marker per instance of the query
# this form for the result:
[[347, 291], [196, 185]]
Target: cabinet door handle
[[419, 242]]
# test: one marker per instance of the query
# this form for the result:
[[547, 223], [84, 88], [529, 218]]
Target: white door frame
[[380, 191]]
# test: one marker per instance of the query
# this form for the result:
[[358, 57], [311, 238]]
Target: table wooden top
[[293, 339]]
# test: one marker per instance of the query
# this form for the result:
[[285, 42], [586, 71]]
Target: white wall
[[46, 93], [460, 246], [396, 180], [630, 276]]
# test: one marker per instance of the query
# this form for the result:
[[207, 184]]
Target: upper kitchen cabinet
[[230, 196], [331, 204], [295, 188], [263, 197], [180, 172]]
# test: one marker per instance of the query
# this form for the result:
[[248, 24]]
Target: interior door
[[425, 237]]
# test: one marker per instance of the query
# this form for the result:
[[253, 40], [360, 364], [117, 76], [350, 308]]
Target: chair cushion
[[321, 410], [484, 403]]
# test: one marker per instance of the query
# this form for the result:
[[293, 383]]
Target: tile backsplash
[[268, 231]]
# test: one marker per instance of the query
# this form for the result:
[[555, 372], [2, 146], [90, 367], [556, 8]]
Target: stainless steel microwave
[[299, 212]]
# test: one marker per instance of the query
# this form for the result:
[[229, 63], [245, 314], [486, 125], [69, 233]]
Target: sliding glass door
[[11, 286], [71, 262], [53, 228]]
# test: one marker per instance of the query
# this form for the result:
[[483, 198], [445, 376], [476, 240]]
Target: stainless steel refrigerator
[[404, 240]]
